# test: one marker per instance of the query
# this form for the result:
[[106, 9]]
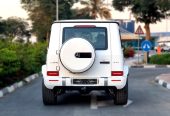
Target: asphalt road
[[145, 99]]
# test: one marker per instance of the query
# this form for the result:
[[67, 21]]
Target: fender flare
[[126, 71], [44, 70]]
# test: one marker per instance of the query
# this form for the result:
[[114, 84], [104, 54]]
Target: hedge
[[163, 59], [18, 60], [129, 52]]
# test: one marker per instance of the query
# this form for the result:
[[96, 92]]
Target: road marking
[[149, 66], [94, 104], [27, 80], [111, 102], [105, 103], [1, 94], [33, 77], [168, 86], [20, 84], [128, 103], [10, 89], [161, 82]]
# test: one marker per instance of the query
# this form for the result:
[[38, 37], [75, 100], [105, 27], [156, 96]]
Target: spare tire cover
[[77, 55]]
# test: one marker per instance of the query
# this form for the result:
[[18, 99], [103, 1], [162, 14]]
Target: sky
[[10, 8], [163, 26]]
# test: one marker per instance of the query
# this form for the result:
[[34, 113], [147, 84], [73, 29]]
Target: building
[[127, 29], [162, 38]]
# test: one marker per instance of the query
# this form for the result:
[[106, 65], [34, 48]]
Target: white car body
[[165, 48], [108, 67]]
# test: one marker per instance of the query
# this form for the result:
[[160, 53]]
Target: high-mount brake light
[[117, 73], [116, 80], [53, 80], [52, 73], [85, 26]]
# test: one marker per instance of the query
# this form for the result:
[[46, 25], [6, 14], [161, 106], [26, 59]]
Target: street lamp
[[57, 14]]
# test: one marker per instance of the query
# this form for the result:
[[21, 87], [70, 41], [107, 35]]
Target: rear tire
[[121, 96], [48, 95]]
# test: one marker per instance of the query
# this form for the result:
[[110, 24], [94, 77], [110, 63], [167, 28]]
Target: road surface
[[146, 98]]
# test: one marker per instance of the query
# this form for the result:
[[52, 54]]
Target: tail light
[[52, 73], [117, 73]]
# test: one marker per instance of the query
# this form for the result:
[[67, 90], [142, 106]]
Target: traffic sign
[[139, 30], [146, 45]]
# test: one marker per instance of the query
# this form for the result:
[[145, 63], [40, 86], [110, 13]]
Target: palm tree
[[92, 8]]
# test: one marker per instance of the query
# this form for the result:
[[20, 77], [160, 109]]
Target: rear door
[[98, 34]]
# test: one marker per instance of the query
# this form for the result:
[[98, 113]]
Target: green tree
[[145, 11], [13, 26], [42, 13], [1, 26], [93, 9]]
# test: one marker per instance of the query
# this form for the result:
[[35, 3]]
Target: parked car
[[85, 55], [164, 48]]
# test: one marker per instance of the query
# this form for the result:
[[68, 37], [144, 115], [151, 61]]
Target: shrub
[[33, 57], [160, 59], [19, 60], [129, 52], [9, 62]]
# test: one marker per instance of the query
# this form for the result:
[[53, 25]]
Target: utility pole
[[57, 13], [166, 23]]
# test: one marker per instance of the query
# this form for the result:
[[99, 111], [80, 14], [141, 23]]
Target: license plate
[[85, 81]]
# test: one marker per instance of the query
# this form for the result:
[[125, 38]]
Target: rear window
[[97, 36]]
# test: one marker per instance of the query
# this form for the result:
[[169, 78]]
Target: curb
[[162, 83], [149, 66], [13, 87]]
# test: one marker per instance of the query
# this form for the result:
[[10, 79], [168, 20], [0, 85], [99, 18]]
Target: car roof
[[86, 21]]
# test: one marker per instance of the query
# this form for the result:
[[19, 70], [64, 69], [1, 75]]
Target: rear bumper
[[50, 83], [102, 82]]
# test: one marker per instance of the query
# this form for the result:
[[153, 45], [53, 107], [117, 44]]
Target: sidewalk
[[13, 87], [132, 61], [163, 80]]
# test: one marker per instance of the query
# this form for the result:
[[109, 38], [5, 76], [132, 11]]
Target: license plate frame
[[84, 81]]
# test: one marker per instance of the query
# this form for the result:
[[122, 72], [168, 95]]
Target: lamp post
[[57, 13], [166, 27], [166, 23]]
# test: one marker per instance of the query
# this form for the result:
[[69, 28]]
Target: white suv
[[85, 55], [165, 48]]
